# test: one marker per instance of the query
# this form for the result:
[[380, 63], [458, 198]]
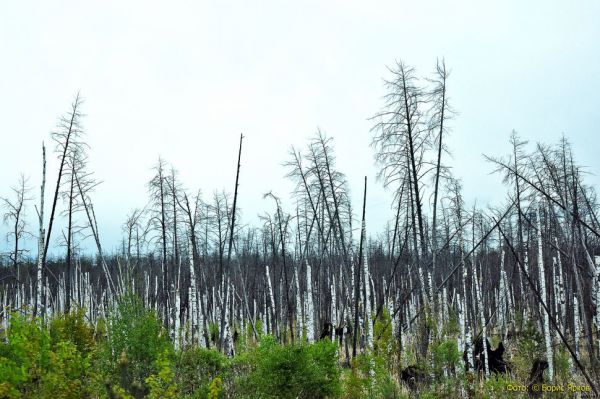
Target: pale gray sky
[[183, 79]]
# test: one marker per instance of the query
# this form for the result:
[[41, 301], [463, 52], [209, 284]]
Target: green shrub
[[293, 371], [445, 356], [385, 344], [72, 327], [69, 375], [24, 357], [197, 367], [370, 377], [162, 384], [135, 341], [529, 347], [216, 387], [36, 363]]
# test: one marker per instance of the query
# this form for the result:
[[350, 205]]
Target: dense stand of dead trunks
[[305, 273]]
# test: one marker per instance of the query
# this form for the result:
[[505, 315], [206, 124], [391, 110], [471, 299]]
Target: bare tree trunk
[[71, 129], [231, 234], [310, 311], [69, 237], [42, 235], [358, 273]]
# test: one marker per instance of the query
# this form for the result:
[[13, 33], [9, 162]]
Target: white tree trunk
[[542, 279], [467, 326], [41, 237], [461, 325], [503, 296], [525, 298], [597, 297], [227, 341], [193, 298], [271, 302], [177, 321], [367, 278], [577, 331], [310, 321], [333, 309], [299, 324], [486, 367]]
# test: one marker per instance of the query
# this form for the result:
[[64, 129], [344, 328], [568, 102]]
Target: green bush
[[370, 377], [293, 371], [135, 341], [197, 368], [445, 356], [24, 357], [72, 327], [36, 363], [385, 344], [216, 387], [162, 384]]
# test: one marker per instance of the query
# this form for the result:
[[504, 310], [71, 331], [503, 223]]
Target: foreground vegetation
[[310, 303], [130, 355]]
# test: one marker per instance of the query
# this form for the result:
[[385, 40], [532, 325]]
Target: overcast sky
[[183, 79]]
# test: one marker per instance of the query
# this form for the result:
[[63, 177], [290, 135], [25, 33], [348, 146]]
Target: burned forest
[[451, 299]]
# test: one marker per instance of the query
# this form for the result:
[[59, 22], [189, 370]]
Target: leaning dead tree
[[67, 138]]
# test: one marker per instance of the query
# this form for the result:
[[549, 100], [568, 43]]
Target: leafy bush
[[294, 371], [36, 363], [72, 327], [370, 377], [198, 368], [445, 356], [216, 387], [135, 341], [162, 385], [385, 345]]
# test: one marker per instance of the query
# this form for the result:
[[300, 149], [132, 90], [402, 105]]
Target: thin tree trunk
[[358, 273]]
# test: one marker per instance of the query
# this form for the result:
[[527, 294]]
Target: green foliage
[[294, 371], [562, 365], [497, 386], [529, 347], [385, 345], [451, 328], [25, 355], [197, 367], [136, 340], [70, 374], [354, 382], [259, 327], [213, 332], [36, 363], [162, 385], [130, 356], [216, 387], [370, 377], [72, 327], [445, 356]]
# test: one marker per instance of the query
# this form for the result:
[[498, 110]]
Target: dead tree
[[15, 216], [282, 227], [225, 338], [85, 183], [357, 275], [66, 137], [401, 136], [158, 207], [41, 238], [440, 113], [75, 163]]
